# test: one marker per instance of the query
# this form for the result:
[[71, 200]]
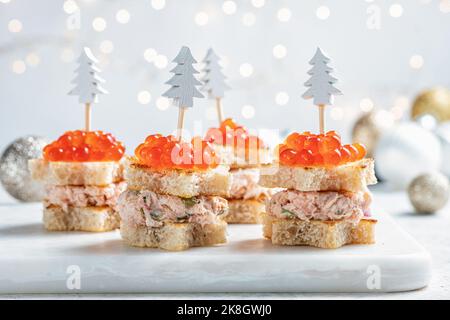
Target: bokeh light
[[229, 7], [201, 18], [158, 4], [416, 61], [284, 14], [106, 46], [161, 61], [32, 59], [15, 26], [162, 103], [396, 10], [248, 111], [123, 16], [144, 97], [279, 51], [281, 98], [18, 67], [246, 70], [70, 6], [150, 54], [99, 24], [366, 104], [444, 6], [323, 12], [258, 3]]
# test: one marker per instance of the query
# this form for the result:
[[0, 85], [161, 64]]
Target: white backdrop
[[384, 51]]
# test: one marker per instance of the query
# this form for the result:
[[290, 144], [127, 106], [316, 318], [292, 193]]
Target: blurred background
[[385, 54]]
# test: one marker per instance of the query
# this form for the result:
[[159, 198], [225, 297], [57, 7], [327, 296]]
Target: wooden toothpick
[[87, 116], [180, 126], [322, 118], [220, 115]]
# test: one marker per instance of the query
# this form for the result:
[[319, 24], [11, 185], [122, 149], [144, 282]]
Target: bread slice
[[245, 211], [76, 173], [174, 236], [91, 219], [354, 177], [180, 183], [316, 233], [236, 159]]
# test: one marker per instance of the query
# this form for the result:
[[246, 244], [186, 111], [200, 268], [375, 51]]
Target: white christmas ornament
[[184, 84], [87, 81], [406, 151], [443, 133], [320, 84], [213, 79]]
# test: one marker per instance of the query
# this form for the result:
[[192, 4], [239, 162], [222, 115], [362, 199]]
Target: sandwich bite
[[326, 202], [174, 197], [244, 153], [83, 174]]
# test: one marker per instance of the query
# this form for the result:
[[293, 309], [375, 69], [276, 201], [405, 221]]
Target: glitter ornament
[[369, 127], [14, 174], [429, 192]]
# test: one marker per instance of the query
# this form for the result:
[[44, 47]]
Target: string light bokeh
[[264, 45]]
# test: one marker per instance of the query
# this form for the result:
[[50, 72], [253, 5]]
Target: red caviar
[[161, 152], [307, 149], [230, 134], [82, 146]]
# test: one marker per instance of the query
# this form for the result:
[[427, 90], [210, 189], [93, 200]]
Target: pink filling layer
[[245, 185], [320, 205], [84, 196], [147, 208]]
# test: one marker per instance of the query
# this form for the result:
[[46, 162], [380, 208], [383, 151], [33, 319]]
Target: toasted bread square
[[76, 173], [245, 211], [236, 158], [174, 236], [354, 177], [91, 219], [180, 183], [317, 233]]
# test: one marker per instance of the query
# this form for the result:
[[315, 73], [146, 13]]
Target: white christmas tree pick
[[214, 80], [320, 85], [184, 85], [87, 83]]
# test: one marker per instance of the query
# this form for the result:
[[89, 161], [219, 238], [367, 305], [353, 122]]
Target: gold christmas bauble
[[429, 192], [435, 101], [368, 128]]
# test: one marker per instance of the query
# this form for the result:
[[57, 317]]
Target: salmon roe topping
[[307, 149], [82, 146], [231, 134], [161, 152]]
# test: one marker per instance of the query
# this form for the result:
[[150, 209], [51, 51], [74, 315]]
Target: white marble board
[[35, 261]]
